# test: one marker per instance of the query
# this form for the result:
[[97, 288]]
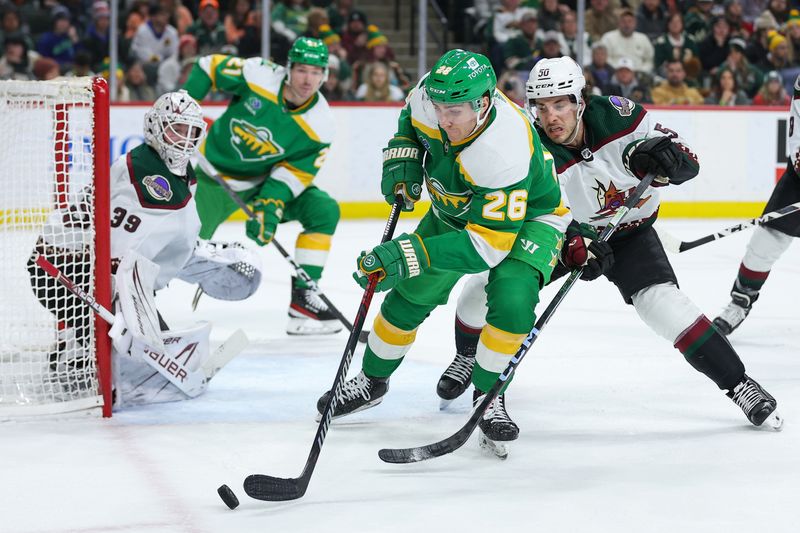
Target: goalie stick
[[275, 489], [675, 246], [209, 169], [460, 437], [229, 349]]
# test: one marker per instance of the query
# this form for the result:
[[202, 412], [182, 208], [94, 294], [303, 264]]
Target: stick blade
[[423, 453], [274, 489]]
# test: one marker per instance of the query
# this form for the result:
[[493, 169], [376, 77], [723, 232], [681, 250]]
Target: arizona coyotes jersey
[[794, 127], [152, 211], [594, 179], [258, 136], [487, 185]]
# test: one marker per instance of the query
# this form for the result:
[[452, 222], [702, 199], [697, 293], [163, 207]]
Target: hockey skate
[[308, 314], [759, 406], [496, 429], [357, 394], [455, 379], [736, 311]]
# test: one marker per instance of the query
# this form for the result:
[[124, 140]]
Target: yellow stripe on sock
[[314, 241], [501, 341], [392, 334]]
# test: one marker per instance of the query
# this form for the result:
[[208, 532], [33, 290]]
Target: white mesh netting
[[47, 342]]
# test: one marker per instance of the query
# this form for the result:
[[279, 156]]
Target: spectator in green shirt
[[207, 29]]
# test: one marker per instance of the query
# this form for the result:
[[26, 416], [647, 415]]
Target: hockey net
[[54, 160]]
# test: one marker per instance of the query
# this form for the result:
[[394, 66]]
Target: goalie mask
[[560, 76], [174, 128]]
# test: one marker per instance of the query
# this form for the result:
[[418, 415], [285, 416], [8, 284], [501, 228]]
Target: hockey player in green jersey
[[269, 145], [603, 146], [496, 207]]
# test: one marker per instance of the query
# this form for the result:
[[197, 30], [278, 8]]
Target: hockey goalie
[[154, 230]]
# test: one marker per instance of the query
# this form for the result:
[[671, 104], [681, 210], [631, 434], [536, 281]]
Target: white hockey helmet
[[174, 145], [559, 76]]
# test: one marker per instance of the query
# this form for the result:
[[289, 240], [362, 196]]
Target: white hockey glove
[[121, 337]]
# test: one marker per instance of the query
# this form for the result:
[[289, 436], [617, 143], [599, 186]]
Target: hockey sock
[[709, 352], [386, 347], [750, 281], [466, 338], [495, 349], [311, 252]]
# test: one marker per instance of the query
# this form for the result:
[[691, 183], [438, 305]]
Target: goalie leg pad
[[145, 375]]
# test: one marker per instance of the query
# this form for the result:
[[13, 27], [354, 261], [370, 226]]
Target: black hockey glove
[[658, 155], [583, 250]]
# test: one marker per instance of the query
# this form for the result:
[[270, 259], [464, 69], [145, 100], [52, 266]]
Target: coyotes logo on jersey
[[253, 143], [610, 199]]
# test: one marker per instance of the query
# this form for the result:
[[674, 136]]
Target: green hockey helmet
[[309, 51], [461, 77]]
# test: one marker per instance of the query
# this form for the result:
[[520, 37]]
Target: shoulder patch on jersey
[[623, 106], [158, 187]]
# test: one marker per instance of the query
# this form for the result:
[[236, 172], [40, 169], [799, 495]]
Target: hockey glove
[[393, 261], [402, 172], [658, 155], [268, 213], [582, 250]]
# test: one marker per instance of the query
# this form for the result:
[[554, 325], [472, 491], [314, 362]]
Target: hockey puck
[[228, 496]]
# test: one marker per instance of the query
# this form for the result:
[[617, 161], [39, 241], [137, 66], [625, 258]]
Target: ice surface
[[618, 433]]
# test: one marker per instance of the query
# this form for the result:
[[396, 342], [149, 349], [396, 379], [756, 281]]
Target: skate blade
[[309, 326], [774, 421], [444, 404], [498, 449], [367, 405]]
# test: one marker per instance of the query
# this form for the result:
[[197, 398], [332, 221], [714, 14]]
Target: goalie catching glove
[[582, 250], [658, 155], [393, 261], [402, 172]]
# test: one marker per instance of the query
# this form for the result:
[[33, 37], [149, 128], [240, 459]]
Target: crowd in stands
[[159, 41], [666, 52]]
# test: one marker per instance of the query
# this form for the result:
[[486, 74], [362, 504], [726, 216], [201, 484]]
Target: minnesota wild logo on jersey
[[253, 143], [452, 203]]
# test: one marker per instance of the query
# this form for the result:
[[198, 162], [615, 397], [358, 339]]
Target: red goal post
[[54, 176]]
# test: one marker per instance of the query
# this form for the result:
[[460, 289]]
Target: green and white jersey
[[594, 179], [485, 186], [258, 136]]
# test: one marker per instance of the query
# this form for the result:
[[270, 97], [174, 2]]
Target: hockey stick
[[459, 438], [275, 489], [674, 245], [209, 169], [229, 349]]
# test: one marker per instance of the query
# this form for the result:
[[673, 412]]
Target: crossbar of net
[[47, 341]]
